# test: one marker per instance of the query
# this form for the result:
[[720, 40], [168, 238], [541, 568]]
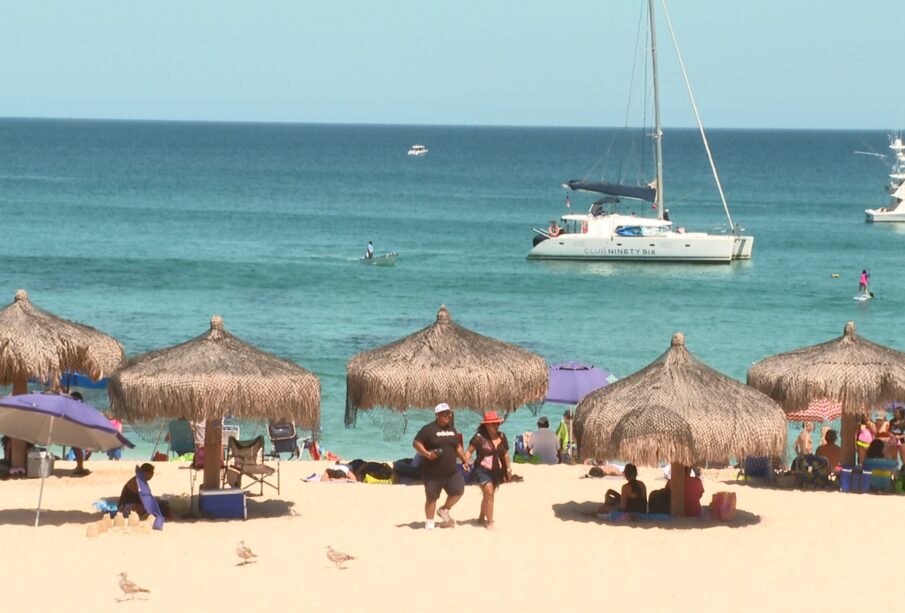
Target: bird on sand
[[129, 588], [338, 557], [244, 552]]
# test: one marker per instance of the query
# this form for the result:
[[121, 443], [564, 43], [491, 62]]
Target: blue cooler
[[223, 504], [854, 480]]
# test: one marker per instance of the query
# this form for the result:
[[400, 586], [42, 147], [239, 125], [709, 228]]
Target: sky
[[827, 64]]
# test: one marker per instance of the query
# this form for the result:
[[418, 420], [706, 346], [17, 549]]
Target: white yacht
[[605, 233], [418, 150], [895, 210]]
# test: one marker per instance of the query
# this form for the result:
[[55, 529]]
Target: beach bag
[[722, 506]]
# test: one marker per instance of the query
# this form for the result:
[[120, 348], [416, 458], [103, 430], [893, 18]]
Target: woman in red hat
[[491, 465]]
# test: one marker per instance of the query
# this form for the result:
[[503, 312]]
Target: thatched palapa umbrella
[[444, 362], [679, 409], [211, 376], [848, 369], [37, 344]]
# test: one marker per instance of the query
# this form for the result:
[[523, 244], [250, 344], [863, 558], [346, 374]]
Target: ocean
[[146, 229]]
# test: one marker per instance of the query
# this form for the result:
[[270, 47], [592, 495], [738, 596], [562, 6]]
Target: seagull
[[244, 552], [338, 557], [129, 588]]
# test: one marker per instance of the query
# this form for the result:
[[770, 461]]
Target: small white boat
[[895, 210], [384, 259], [418, 150]]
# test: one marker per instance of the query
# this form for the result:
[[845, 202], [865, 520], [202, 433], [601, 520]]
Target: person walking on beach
[[438, 443], [491, 462], [370, 252]]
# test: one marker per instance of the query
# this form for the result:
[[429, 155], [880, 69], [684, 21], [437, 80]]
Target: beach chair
[[811, 470], [246, 458], [283, 439], [181, 438], [882, 472], [756, 467]]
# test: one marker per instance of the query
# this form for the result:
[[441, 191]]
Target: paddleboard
[[863, 297]]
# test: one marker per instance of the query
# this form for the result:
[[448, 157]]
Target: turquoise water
[[146, 229]]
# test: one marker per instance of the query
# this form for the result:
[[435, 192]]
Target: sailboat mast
[[658, 131]]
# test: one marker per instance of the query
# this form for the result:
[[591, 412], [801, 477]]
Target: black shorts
[[453, 486]]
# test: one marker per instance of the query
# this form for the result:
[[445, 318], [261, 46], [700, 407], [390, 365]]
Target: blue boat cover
[[640, 192]]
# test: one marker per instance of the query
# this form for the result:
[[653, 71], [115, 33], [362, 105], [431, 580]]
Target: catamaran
[[606, 233], [895, 210]]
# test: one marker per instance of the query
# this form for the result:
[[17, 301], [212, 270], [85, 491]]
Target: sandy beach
[[543, 554]]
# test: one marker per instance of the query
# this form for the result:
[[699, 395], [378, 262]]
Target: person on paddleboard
[[370, 252], [862, 283]]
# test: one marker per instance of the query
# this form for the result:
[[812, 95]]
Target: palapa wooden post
[[677, 489], [19, 455], [213, 454], [848, 434]]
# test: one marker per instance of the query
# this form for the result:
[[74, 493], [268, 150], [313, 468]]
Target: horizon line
[[421, 125]]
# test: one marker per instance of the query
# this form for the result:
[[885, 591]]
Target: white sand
[[791, 550]]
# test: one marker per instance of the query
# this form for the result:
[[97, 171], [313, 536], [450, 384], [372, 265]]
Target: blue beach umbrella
[[52, 419], [572, 381]]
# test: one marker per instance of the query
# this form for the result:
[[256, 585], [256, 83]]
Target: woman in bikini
[[897, 431], [491, 467], [865, 437]]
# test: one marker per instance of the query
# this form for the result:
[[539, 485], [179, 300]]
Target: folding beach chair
[[181, 438], [283, 439], [756, 467], [246, 458]]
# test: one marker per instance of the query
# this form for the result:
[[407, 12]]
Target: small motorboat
[[418, 150], [384, 259]]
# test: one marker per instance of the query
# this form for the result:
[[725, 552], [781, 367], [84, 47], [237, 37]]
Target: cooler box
[[854, 480], [223, 504], [38, 464]]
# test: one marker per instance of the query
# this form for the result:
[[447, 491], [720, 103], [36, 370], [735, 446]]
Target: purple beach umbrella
[[52, 419], [572, 381]]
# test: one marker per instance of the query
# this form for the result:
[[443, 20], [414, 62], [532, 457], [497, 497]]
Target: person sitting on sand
[[632, 498], [543, 443], [339, 472], [831, 451], [804, 444], [129, 499], [875, 451]]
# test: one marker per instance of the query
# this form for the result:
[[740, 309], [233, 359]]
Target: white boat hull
[[672, 247], [883, 215]]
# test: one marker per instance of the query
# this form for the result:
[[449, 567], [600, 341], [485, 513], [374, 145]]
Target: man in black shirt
[[438, 443]]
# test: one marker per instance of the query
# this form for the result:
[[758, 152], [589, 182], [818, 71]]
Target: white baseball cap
[[441, 408]]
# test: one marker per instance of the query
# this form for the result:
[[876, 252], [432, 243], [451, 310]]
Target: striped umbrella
[[823, 409]]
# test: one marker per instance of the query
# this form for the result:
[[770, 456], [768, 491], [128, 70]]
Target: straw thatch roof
[[214, 375], [679, 409], [848, 369], [38, 344], [444, 362]]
